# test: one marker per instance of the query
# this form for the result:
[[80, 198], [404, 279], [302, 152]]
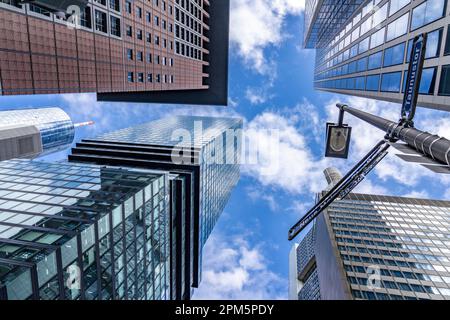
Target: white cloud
[[257, 24], [284, 160], [235, 270], [368, 187], [258, 95], [418, 195], [259, 194]]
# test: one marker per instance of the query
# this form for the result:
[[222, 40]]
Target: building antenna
[[84, 124]]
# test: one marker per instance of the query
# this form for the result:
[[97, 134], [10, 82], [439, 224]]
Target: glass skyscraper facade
[[72, 231], [305, 274], [34, 132], [208, 164], [381, 247], [363, 47]]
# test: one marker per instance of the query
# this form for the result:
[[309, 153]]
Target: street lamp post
[[427, 144], [432, 151]]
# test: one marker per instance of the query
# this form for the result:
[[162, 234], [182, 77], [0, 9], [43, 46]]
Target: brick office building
[[121, 46]]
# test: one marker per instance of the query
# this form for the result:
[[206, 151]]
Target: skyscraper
[[203, 151], [378, 247], [28, 133], [363, 47], [71, 231], [135, 50]]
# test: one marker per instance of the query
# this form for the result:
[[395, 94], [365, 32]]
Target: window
[[350, 84], [354, 51], [427, 12], [130, 54], [357, 18], [360, 82], [397, 5], [380, 15], [352, 67], [130, 77], [139, 56], [100, 21], [355, 34], [366, 26], [140, 77], [139, 34], [394, 55], [444, 87], [362, 64], [375, 60], [367, 9], [397, 28], [128, 6], [115, 26], [114, 5], [150, 77], [377, 38], [129, 31], [364, 45], [373, 82], [428, 81], [447, 43], [433, 45], [86, 18], [390, 82], [139, 12]]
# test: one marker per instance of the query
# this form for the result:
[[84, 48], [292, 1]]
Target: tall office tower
[[28, 133], [201, 150], [379, 247], [364, 46], [132, 50], [71, 231], [303, 276]]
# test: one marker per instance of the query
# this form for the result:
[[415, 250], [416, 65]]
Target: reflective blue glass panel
[[391, 82], [444, 88], [362, 64], [375, 60], [373, 82], [427, 83], [427, 12], [394, 55]]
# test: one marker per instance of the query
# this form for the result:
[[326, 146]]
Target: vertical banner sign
[[414, 76]]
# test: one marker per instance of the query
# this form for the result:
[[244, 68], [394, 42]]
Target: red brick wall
[[41, 56]]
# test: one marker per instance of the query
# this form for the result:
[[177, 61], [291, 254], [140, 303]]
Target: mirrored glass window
[[447, 42], [397, 28], [391, 82], [394, 55], [375, 60], [377, 38], [427, 12], [444, 88], [373, 82], [397, 5]]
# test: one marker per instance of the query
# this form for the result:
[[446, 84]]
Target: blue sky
[[271, 88]]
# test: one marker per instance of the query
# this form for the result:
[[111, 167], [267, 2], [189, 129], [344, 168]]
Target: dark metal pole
[[428, 144]]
